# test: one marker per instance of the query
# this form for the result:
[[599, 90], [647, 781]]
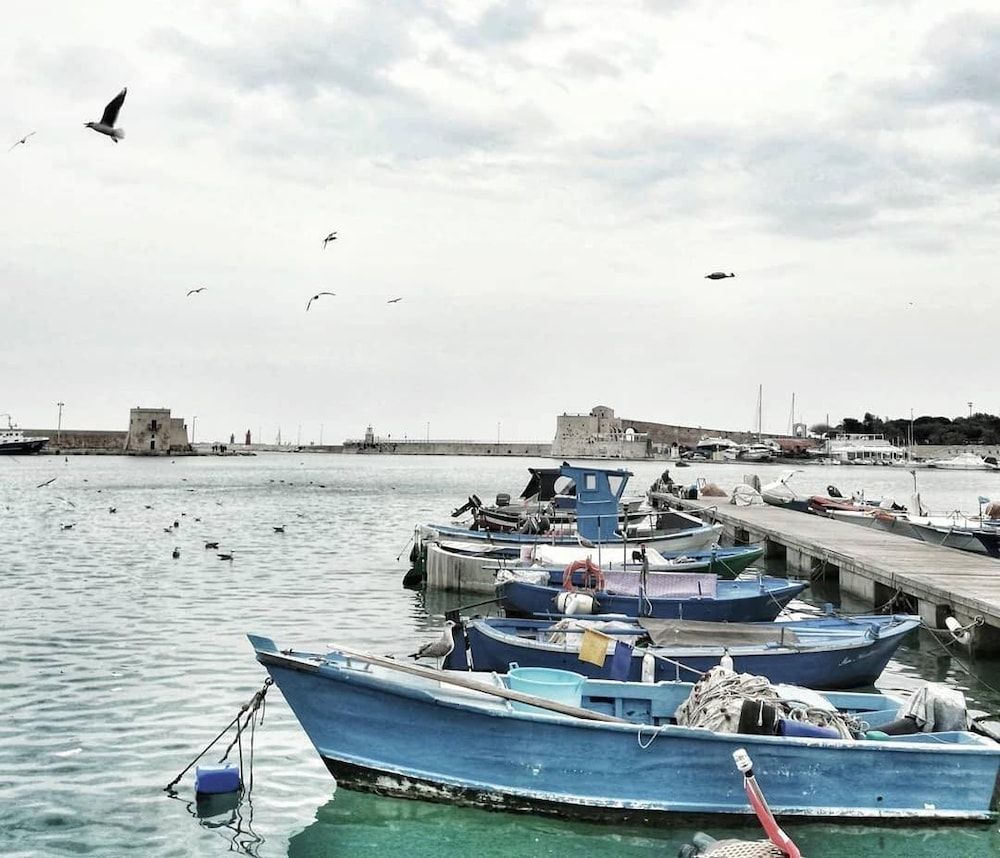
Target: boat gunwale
[[334, 671], [900, 629]]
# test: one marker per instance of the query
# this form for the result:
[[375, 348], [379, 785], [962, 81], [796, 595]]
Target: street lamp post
[[498, 433], [59, 424], [194, 422]]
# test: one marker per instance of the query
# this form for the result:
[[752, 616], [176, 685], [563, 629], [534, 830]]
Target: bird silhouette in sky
[[107, 124], [23, 141], [718, 275], [316, 297], [331, 237], [393, 300], [195, 291]]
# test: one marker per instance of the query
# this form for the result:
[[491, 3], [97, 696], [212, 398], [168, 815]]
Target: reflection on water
[[121, 662]]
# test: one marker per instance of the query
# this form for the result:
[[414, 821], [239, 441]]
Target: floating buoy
[[217, 778], [959, 632]]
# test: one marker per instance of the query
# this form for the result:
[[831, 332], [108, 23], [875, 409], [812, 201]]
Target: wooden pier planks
[[942, 576]]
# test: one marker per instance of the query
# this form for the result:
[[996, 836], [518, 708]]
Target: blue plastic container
[[787, 727], [216, 779], [560, 686]]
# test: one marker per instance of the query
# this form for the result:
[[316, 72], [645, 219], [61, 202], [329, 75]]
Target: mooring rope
[[253, 704]]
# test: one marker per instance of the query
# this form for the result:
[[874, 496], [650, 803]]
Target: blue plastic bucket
[[560, 686]]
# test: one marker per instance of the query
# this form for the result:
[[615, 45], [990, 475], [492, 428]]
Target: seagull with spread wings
[[393, 300], [24, 140], [195, 291], [331, 237], [107, 124], [316, 297]]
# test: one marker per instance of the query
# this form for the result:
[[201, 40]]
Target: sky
[[544, 184]]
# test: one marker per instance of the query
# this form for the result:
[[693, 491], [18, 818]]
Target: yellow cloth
[[594, 647]]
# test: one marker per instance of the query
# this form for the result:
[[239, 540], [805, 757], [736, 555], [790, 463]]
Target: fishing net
[[728, 702]]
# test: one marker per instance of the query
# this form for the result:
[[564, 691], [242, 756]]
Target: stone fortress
[[600, 435]]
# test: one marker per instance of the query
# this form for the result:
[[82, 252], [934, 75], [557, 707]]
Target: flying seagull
[[24, 140], [315, 297], [393, 300], [195, 291], [110, 117], [440, 648], [718, 275], [46, 483], [331, 237]]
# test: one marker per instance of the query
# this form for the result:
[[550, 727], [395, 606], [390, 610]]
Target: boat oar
[[492, 690]]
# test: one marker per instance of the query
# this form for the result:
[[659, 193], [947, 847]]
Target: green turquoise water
[[122, 662]]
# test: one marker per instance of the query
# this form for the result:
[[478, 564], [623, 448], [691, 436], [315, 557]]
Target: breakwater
[[450, 448], [80, 441]]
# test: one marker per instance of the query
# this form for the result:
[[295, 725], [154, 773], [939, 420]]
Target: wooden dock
[[874, 565]]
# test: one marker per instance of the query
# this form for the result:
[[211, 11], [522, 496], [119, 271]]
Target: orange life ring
[[593, 577]]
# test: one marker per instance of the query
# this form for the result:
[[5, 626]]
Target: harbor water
[[122, 662]]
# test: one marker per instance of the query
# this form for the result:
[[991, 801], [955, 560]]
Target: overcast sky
[[544, 184]]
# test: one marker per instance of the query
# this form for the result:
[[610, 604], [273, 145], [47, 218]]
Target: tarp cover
[[694, 633], [663, 585]]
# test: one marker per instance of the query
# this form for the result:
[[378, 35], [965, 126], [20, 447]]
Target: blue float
[[216, 779]]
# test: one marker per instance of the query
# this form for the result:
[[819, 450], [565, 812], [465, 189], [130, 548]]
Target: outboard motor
[[503, 499]]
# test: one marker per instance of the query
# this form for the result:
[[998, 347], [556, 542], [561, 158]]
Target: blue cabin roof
[[598, 493]]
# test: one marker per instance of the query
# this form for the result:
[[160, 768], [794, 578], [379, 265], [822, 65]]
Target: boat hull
[[856, 662], [690, 539], [22, 448], [396, 740], [735, 602]]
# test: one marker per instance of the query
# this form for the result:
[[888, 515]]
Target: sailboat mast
[[760, 398]]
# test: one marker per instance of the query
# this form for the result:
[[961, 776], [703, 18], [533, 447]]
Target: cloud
[[503, 22], [961, 64]]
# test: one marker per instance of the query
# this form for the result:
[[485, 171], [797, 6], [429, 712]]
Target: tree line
[[980, 428]]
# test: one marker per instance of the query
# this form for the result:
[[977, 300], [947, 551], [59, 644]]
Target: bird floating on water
[[112, 509], [718, 275], [279, 528], [441, 648], [68, 526], [24, 140], [331, 237], [211, 545], [196, 291], [107, 124], [228, 556], [316, 297], [393, 300], [176, 553]]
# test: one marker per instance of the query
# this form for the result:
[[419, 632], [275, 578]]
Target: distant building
[[598, 435], [152, 431]]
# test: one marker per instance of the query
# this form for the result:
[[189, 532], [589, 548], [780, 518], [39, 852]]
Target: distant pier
[[873, 565]]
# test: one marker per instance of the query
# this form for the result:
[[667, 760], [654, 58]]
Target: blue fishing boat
[[685, 597], [724, 562], [821, 652], [616, 752], [597, 505]]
